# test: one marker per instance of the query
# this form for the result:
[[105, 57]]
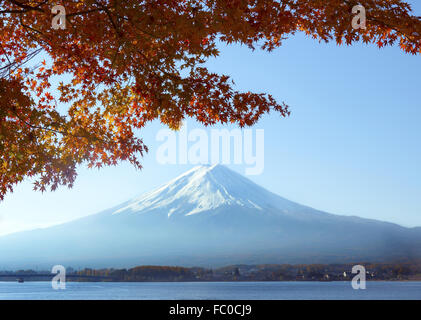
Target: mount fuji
[[210, 216]]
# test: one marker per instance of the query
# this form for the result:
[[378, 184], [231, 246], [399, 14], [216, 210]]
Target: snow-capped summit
[[205, 188]]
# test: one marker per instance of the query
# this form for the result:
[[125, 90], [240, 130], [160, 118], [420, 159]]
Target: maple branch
[[30, 28], [79, 13], [64, 133], [411, 37], [107, 11], [28, 7], [13, 65], [381, 21]]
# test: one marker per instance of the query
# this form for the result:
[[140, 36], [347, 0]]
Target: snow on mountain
[[206, 188]]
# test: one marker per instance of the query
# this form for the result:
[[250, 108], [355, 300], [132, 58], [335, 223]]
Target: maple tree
[[124, 63]]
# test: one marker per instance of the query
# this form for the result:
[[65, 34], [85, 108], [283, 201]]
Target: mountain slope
[[210, 216]]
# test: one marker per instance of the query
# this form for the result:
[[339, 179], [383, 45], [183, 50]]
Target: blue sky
[[351, 146]]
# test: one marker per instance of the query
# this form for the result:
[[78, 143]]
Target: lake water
[[211, 290]]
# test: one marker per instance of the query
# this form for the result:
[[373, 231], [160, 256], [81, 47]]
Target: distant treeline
[[284, 272]]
